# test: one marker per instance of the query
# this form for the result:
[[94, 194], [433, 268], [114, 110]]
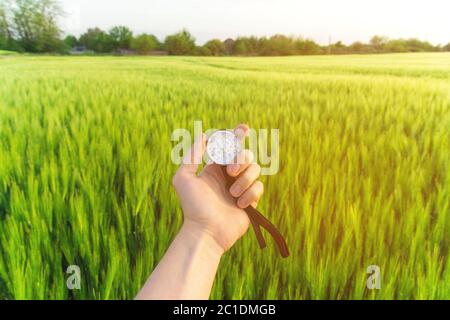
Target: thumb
[[194, 157]]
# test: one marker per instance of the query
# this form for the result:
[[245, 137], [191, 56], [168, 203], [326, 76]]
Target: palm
[[207, 202]]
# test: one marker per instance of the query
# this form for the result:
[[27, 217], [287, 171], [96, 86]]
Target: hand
[[209, 208]]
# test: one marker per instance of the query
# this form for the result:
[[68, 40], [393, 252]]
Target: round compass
[[223, 147]]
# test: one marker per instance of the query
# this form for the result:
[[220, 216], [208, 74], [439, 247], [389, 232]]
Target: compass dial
[[223, 147]]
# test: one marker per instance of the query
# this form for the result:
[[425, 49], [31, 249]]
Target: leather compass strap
[[258, 221]]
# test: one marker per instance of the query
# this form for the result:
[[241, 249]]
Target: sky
[[320, 20]]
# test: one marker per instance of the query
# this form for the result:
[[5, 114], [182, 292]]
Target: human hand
[[210, 209]]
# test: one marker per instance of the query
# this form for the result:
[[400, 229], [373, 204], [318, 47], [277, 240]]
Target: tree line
[[32, 26]]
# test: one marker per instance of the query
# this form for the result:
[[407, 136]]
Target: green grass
[[85, 172], [7, 53]]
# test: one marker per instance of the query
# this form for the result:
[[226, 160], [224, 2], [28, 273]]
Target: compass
[[223, 147]]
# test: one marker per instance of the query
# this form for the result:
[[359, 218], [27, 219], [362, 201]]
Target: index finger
[[241, 131], [194, 157]]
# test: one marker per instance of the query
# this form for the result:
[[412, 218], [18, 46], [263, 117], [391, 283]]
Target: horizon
[[348, 21]]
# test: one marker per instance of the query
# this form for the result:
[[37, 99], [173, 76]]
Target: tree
[[240, 47], [201, 51], [396, 45], [416, 45], [97, 40], [144, 43], [70, 41], [181, 43], [446, 47], [248, 46], [35, 24], [229, 46], [5, 32], [215, 47], [379, 42], [358, 47], [307, 47], [339, 48], [278, 45], [121, 37]]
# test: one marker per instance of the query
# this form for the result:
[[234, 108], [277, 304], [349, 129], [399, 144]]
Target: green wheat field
[[85, 172]]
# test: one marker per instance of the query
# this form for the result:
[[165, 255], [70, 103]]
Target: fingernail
[[234, 168], [236, 190], [241, 203]]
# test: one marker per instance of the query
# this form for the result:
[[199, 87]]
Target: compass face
[[223, 147]]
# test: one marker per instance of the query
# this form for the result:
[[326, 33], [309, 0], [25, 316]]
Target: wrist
[[202, 238]]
